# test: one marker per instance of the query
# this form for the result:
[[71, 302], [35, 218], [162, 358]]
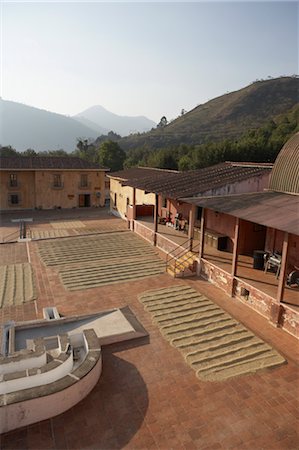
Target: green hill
[[226, 117]]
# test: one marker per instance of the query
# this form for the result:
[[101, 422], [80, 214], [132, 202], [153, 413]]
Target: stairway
[[182, 262]]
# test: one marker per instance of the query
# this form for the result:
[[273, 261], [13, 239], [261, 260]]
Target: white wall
[[23, 364], [39, 379]]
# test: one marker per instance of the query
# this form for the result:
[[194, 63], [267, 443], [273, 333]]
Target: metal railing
[[173, 259]]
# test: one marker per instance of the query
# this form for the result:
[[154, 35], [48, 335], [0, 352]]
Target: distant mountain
[[93, 126], [228, 116], [23, 127], [123, 125]]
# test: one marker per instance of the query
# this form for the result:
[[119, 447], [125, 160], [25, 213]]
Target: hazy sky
[[137, 58]]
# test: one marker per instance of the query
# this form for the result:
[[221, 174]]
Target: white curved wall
[[39, 379], [25, 413], [23, 364]]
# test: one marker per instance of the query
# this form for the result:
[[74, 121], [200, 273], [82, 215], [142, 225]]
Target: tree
[[60, 152], [185, 163], [163, 122], [82, 145], [110, 155], [29, 152], [8, 151], [86, 150]]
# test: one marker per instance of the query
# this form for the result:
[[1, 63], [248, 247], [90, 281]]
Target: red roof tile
[[46, 162]]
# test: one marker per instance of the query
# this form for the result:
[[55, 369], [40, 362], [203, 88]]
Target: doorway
[[84, 200]]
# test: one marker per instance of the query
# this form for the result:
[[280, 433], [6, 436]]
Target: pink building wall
[[254, 184]]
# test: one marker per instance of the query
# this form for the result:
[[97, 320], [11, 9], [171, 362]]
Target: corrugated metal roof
[[194, 182], [46, 162], [272, 209], [285, 174]]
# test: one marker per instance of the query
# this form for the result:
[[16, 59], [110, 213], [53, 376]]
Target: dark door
[[84, 200]]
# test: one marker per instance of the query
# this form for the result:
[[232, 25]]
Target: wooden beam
[[191, 226], [236, 246], [283, 268], [156, 218], [202, 234], [134, 209], [235, 253]]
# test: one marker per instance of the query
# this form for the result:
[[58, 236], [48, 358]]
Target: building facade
[[50, 182]]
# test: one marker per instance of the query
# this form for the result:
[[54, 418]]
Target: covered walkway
[[266, 283]]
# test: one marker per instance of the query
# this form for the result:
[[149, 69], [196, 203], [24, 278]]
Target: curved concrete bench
[[27, 406]]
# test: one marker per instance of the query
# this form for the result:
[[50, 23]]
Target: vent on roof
[[51, 313]]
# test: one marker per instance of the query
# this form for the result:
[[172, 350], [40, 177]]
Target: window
[[115, 199], [13, 181], [57, 180], [84, 180], [14, 199], [164, 202]]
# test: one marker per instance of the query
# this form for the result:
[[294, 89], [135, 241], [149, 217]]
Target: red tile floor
[[147, 397]]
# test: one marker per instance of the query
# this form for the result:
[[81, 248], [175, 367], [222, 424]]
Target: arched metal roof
[[285, 172]]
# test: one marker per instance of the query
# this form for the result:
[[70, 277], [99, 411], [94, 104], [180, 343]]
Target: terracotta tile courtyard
[[147, 396]]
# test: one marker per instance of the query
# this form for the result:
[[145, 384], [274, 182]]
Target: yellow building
[[121, 195], [50, 182]]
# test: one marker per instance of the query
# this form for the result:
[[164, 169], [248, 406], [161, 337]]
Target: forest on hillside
[[260, 145]]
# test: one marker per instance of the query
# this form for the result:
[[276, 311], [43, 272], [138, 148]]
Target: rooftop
[[285, 174], [258, 207], [195, 182], [47, 162], [136, 174]]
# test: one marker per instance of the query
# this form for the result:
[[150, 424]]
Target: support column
[[191, 226], [156, 218], [202, 234], [275, 309], [134, 208], [235, 253]]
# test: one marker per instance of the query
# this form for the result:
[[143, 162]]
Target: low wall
[[144, 231], [166, 245], [162, 242], [290, 321], [216, 276], [256, 299], [251, 296]]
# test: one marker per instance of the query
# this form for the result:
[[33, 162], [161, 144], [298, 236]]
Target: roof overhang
[[271, 209], [51, 169]]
